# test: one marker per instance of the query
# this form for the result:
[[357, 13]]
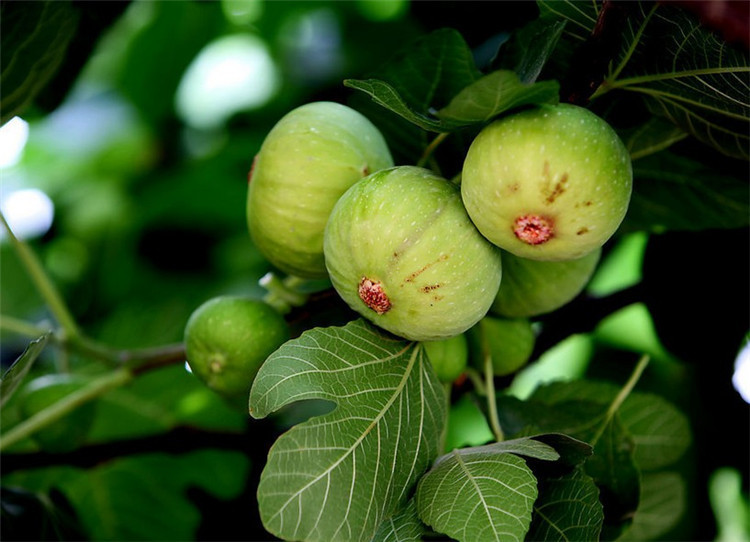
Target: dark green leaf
[[675, 193], [660, 432], [580, 16], [573, 452], [662, 504], [355, 466], [144, 497], [686, 72], [423, 79], [494, 94], [528, 49], [568, 508], [403, 526], [34, 42], [387, 96], [652, 136], [15, 374], [482, 496]]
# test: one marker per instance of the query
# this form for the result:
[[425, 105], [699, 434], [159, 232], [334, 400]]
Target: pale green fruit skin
[[70, 431], [228, 338], [563, 163], [448, 357], [306, 162], [510, 343], [406, 229], [533, 287]]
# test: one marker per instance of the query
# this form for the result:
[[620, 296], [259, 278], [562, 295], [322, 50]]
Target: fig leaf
[[355, 466]]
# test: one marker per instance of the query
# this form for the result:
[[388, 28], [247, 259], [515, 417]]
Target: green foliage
[[34, 44]]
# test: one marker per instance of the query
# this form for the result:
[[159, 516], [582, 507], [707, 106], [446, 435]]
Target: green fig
[[228, 338], [533, 287], [510, 343], [448, 357], [306, 162], [549, 183], [401, 251], [70, 431]]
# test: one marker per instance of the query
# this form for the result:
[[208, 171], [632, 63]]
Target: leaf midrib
[[397, 391]]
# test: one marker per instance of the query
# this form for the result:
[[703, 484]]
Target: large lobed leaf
[[686, 73], [341, 475]]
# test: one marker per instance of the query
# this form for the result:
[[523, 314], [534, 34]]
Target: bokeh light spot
[[231, 74]]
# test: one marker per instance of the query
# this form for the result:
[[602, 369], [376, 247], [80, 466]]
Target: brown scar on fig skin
[[582, 231], [556, 191], [372, 294], [430, 287], [418, 272], [534, 229]]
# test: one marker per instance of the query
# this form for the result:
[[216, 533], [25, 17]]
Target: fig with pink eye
[[307, 161], [402, 252], [548, 183]]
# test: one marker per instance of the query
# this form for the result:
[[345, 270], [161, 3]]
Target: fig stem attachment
[[429, 149], [489, 382], [42, 282], [281, 294]]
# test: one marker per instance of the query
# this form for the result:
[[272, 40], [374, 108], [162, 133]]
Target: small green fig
[[228, 338], [401, 250], [70, 431], [306, 162], [510, 343], [533, 287], [548, 183], [448, 357]]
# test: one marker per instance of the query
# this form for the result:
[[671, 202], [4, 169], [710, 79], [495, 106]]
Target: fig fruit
[[70, 431], [306, 162], [548, 183], [228, 338], [533, 287], [401, 251], [510, 342], [448, 357]]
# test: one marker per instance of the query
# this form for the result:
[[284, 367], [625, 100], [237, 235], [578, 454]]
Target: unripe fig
[[548, 183], [401, 250], [448, 357], [533, 287], [70, 431], [307, 161], [228, 338], [510, 342]]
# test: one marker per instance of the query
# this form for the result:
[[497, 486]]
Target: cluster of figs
[[426, 258]]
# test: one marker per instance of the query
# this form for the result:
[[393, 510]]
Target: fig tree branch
[[42, 282]]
